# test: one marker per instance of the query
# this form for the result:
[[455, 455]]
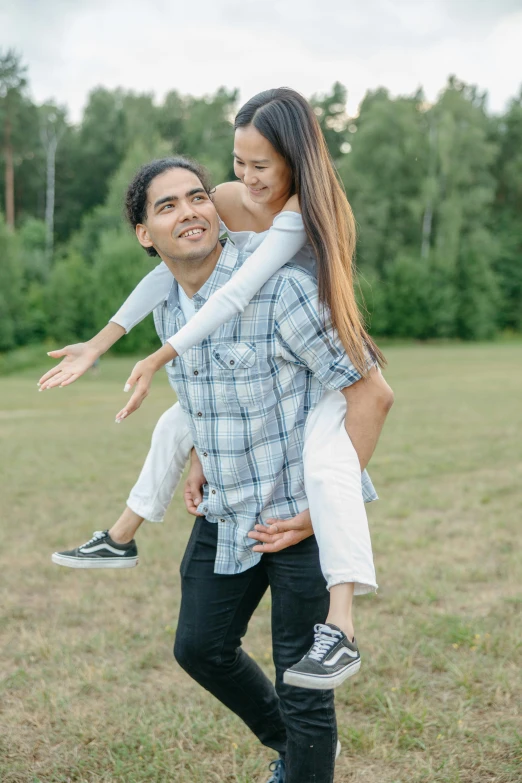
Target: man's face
[[181, 220]]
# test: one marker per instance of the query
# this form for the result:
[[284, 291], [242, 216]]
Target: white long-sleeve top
[[265, 252]]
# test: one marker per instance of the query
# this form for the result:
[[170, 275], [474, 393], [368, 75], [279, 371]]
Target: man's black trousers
[[215, 610]]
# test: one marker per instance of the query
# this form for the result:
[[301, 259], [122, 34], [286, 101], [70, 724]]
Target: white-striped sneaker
[[100, 552], [330, 660]]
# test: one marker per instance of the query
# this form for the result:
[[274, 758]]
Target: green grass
[[89, 689]]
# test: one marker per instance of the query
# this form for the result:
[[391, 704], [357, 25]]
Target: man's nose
[[187, 211]]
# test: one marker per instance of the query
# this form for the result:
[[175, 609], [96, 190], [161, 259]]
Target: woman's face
[[264, 171]]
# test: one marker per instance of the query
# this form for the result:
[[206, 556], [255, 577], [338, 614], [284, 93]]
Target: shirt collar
[[227, 264]]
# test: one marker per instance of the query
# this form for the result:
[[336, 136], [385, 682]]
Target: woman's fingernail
[[126, 387]]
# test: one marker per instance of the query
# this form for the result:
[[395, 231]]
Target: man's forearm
[[368, 402], [106, 338]]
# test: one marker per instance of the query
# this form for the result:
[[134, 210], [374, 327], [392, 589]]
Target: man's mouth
[[191, 233]]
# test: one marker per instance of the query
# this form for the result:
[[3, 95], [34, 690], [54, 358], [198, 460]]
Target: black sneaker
[[278, 767], [329, 662], [100, 552]]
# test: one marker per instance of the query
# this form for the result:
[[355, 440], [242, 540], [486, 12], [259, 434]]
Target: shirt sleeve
[[306, 335], [148, 294], [285, 238]]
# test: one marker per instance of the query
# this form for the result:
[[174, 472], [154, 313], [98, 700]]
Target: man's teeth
[[192, 232]]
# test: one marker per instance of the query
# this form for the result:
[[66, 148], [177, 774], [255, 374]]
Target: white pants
[[332, 476]]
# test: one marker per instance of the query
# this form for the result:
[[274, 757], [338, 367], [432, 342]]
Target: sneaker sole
[[320, 682], [106, 562]]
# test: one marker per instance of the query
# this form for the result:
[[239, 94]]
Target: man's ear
[[143, 235]]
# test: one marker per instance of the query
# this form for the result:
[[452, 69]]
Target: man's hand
[[76, 361], [193, 493], [278, 534], [142, 376]]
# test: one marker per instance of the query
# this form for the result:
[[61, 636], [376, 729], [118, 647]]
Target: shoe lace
[[96, 537], [325, 638]]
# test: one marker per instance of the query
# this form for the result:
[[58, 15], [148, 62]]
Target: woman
[[280, 155]]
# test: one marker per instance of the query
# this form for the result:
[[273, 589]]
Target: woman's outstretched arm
[[148, 294], [284, 239]]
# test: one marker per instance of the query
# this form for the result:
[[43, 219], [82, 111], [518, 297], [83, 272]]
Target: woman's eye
[[260, 168]]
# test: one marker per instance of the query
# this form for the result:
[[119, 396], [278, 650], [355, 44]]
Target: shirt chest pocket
[[236, 372]]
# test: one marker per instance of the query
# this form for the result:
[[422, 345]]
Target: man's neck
[[192, 275]]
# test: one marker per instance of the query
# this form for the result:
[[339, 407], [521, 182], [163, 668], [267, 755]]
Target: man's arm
[[308, 341], [368, 402], [79, 357]]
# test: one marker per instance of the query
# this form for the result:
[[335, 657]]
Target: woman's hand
[[141, 377], [76, 361], [277, 534], [193, 493]]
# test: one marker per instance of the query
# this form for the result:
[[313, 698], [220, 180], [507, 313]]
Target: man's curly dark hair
[[137, 192]]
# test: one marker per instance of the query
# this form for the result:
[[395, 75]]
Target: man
[[247, 391]]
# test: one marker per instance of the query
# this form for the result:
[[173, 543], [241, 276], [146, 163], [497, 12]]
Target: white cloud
[[162, 45]]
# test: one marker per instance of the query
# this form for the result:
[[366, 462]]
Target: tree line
[[436, 191]]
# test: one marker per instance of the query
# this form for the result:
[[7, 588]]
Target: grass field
[[89, 689]]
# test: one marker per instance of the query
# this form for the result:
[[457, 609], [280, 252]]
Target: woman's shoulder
[[292, 205], [228, 200]]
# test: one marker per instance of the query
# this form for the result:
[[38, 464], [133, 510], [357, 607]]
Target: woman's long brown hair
[[288, 122]]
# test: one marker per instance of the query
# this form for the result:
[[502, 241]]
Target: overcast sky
[[72, 46]]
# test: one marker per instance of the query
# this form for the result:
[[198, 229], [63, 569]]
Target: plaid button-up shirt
[[246, 391]]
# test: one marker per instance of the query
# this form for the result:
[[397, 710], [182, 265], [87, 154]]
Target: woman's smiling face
[[264, 171]]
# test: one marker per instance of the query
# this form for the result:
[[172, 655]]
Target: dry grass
[[89, 690]]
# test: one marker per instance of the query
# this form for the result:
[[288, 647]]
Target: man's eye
[[165, 206], [198, 198]]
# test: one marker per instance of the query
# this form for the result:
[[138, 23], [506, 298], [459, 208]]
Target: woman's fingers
[[50, 374], [56, 380], [71, 379], [132, 379], [140, 392]]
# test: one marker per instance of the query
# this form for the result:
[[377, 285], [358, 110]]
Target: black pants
[[215, 610]]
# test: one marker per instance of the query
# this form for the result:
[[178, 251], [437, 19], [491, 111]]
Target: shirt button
[[231, 361], [205, 509], [217, 355], [213, 491], [221, 520], [196, 372], [205, 454], [199, 413]]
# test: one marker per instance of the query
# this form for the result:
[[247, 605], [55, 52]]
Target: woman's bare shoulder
[[228, 199], [292, 205]]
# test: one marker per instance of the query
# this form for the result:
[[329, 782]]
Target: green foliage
[[69, 298], [11, 289], [436, 191], [120, 264]]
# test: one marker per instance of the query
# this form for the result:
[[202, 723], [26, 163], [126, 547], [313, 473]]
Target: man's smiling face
[[181, 220]]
